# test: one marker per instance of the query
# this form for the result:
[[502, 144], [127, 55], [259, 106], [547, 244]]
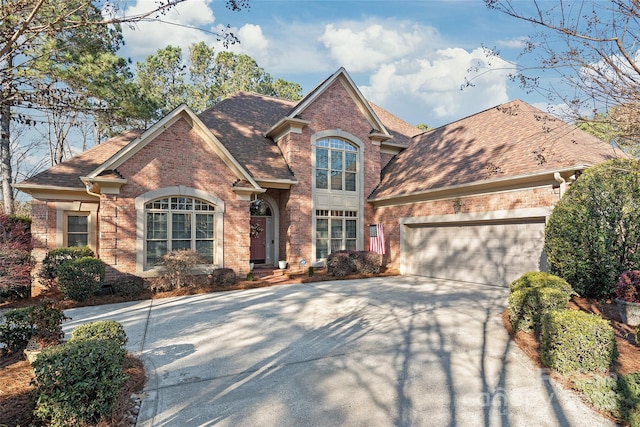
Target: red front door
[[258, 239]]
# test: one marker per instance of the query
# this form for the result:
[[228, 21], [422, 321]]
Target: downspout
[[563, 182], [89, 187]]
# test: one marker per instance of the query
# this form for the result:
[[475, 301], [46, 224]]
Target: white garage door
[[484, 252]]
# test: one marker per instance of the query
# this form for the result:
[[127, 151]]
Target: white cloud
[[514, 43], [365, 46], [428, 90], [179, 28]]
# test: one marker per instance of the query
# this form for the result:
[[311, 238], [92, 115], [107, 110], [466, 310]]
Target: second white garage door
[[491, 252]]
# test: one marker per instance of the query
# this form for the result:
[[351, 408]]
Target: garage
[[494, 248]]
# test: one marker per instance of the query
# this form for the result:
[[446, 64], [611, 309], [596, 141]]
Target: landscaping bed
[[628, 359]]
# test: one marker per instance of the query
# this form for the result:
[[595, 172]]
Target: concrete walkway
[[399, 351]]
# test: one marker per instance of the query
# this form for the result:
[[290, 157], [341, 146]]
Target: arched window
[[179, 222], [336, 165]]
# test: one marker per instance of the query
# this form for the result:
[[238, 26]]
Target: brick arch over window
[[177, 191], [338, 208]]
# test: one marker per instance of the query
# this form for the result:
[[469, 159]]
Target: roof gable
[[181, 112], [67, 174], [511, 140], [379, 130]]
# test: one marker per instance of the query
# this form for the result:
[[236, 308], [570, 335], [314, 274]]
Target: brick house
[[259, 179]]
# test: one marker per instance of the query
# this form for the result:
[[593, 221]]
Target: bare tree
[[594, 47]]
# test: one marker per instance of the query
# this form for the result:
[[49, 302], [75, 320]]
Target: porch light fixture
[[373, 230]]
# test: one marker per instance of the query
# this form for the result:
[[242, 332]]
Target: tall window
[[335, 230], [174, 223], [336, 165], [77, 230]]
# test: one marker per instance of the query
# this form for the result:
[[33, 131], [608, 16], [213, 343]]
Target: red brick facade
[[183, 156]]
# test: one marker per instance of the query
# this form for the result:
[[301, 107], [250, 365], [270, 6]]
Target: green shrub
[[42, 322], [222, 277], [343, 263], [56, 257], [17, 328], [534, 294], [573, 340], [594, 231], [47, 319], [100, 330], [541, 279], [78, 382], [129, 286], [78, 279]]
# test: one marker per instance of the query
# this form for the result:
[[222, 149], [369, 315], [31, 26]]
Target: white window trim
[[359, 193], [177, 191], [64, 209]]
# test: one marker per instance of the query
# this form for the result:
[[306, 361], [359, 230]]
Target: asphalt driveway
[[400, 351]]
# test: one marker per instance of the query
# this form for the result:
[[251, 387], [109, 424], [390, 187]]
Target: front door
[[258, 239]]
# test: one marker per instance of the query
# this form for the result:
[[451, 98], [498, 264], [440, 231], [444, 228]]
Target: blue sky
[[410, 57]]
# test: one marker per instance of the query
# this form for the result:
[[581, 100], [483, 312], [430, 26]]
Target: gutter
[[490, 185]]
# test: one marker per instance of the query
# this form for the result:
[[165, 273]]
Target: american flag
[[376, 243]]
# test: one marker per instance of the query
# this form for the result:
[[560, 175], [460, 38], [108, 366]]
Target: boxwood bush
[[100, 330], [594, 231], [534, 294], [573, 340], [78, 382], [78, 279]]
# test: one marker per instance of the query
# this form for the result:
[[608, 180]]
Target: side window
[[77, 229]]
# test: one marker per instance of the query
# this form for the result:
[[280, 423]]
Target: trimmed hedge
[[344, 263], [573, 341], [78, 382], [79, 279], [100, 330], [533, 295], [56, 257]]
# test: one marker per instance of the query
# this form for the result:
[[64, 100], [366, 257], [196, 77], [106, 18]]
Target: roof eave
[[285, 126], [546, 177], [44, 192], [283, 184]]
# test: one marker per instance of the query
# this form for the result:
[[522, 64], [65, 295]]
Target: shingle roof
[[400, 130], [511, 139], [68, 173], [239, 122]]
